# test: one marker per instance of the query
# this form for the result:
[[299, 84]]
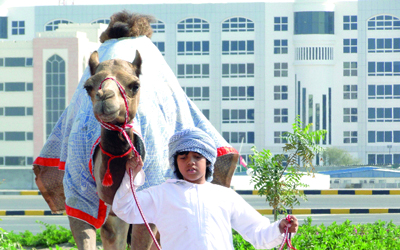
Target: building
[[364, 177], [250, 67]]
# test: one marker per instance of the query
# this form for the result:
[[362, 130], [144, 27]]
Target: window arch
[[55, 91], [193, 25], [101, 20], [384, 22], [237, 24], [158, 27], [53, 25]]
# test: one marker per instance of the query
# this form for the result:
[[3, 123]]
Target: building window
[[349, 114], [349, 68], [384, 22], [280, 46], [193, 70], [158, 27], [14, 111], [237, 24], [238, 47], [383, 159], [193, 25], [280, 69], [280, 92], [15, 160], [197, 93], [383, 45], [15, 136], [18, 62], [161, 47], [1, 62], [314, 22], [1, 136], [383, 114], [190, 48], [349, 92], [349, 22], [238, 116], [18, 27], [349, 45], [279, 137], [237, 70], [55, 91], [206, 113], [384, 68], [280, 115], [1, 111], [15, 86], [349, 137], [101, 20], [29, 86], [53, 25], [384, 91], [241, 93], [281, 23], [382, 136], [238, 137]]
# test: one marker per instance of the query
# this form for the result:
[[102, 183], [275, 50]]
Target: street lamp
[[389, 147]]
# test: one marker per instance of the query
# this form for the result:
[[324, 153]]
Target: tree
[[338, 157], [268, 170]]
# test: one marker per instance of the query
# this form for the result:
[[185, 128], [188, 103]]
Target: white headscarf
[[195, 140]]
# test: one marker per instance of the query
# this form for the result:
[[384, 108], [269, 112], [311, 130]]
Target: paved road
[[22, 223]]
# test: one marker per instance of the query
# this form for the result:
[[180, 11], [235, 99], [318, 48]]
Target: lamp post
[[389, 147]]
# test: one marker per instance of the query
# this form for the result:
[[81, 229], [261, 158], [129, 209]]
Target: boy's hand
[[135, 164], [293, 225]]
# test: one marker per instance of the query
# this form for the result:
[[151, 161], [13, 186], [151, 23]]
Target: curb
[[261, 211], [28, 212], [20, 192], [336, 192]]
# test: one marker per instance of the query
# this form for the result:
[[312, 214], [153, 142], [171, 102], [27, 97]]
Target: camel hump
[[126, 24]]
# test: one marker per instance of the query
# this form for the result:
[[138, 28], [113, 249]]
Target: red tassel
[[107, 181]]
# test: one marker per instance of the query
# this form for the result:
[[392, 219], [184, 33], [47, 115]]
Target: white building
[[250, 67]]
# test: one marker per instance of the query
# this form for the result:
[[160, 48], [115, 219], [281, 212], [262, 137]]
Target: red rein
[[286, 237], [107, 181]]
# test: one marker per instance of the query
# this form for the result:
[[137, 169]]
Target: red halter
[[107, 181]]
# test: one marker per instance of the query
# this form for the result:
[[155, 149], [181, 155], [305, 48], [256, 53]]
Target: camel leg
[[224, 168], [84, 234], [113, 233], [141, 239]]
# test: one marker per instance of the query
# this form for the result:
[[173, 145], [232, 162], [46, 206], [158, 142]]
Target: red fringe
[[107, 181]]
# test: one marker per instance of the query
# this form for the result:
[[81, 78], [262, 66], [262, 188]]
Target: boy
[[189, 212]]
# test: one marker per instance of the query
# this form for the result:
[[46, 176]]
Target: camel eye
[[88, 88], [134, 87]]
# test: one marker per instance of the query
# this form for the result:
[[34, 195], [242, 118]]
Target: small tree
[[268, 170], [338, 157]]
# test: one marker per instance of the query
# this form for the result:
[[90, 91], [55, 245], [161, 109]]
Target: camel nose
[[103, 95]]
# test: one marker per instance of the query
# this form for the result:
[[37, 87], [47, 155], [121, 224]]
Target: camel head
[[107, 99]]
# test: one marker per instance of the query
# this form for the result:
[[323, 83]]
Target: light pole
[[389, 147]]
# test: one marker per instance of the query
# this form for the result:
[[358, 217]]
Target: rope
[[122, 129], [286, 237]]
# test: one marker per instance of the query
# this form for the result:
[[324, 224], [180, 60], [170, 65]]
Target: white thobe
[[195, 216]]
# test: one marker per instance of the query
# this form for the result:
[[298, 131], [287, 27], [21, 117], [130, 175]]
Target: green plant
[[279, 182], [338, 157]]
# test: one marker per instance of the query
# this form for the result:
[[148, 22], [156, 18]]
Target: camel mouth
[[109, 118]]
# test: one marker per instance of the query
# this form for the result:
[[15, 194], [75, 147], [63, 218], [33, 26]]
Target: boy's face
[[192, 167]]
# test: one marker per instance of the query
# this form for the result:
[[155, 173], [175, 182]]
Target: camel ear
[[94, 62], [137, 62]]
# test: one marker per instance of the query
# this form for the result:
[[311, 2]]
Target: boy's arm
[[254, 227], [124, 205]]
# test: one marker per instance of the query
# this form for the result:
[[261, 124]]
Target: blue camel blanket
[[164, 109]]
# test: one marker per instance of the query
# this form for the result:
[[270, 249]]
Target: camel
[[91, 178]]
